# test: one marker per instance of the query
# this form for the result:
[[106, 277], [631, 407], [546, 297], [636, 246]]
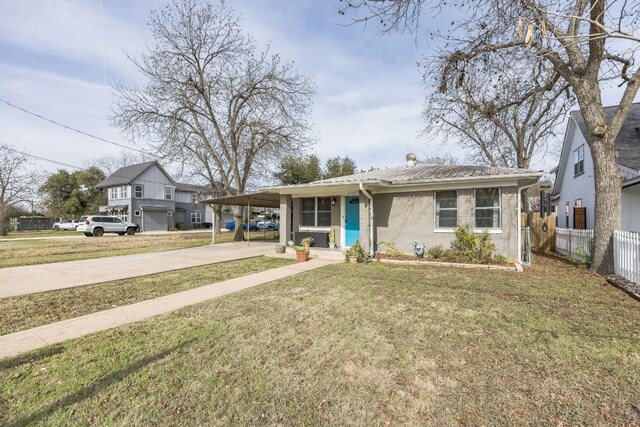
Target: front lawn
[[28, 252], [28, 311], [371, 344]]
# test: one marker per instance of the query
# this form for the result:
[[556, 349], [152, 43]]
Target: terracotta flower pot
[[302, 256], [353, 260]]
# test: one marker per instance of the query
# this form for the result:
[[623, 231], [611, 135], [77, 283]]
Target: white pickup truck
[[67, 225]]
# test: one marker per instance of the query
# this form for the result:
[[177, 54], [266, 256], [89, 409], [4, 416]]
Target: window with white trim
[[578, 161], [315, 212], [138, 191], [195, 197], [137, 213], [196, 217], [113, 193], [487, 210], [446, 209], [168, 193], [124, 192]]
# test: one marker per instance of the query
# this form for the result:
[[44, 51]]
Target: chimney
[[411, 159]]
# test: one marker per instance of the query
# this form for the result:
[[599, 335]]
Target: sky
[[59, 59]]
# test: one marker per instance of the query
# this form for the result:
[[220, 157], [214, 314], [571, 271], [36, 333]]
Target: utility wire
[[76, 130], [43, 158]]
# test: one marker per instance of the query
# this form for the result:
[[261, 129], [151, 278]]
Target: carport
[[261, 199]]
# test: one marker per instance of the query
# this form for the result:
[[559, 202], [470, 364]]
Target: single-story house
[[404, 204]]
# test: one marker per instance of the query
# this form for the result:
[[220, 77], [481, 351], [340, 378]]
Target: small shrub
[[485, 248], [453, 255], [392, 250], [181, 226], [499, 259], [585, 257], [308, 241], [436, 252], [465, 242], [357, 251]]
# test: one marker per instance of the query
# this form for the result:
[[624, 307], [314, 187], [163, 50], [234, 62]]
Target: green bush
[[392, 250], [357, 251], [485, 249], [585, 257], [465, 242], [499, 259], [181, 226], [436, 252]]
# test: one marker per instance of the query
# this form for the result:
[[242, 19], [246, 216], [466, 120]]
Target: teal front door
[[352, 220]]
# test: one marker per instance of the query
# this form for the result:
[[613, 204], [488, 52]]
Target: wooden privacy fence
[[569, 240], [626, 255], [543, 230]]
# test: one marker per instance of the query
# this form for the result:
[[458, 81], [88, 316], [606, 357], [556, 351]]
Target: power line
[[76, 130], [44, 158]]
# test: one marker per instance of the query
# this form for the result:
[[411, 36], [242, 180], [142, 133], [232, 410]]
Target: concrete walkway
[[30, 279], [31, 339]]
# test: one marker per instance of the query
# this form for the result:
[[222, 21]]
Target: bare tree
[[486, 113], [111, 163], [212, 98], [18, 185], [585, 42]]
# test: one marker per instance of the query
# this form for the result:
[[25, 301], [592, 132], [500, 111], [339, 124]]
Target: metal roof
[[261, 199], [426, 172]]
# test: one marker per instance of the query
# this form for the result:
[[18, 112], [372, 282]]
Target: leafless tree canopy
[[212, 99], [18, 185], [586, 44]]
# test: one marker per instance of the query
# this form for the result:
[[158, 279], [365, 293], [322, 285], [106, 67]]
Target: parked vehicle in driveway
[[268, 225], [66, 225], [231, 225], [97, 225]]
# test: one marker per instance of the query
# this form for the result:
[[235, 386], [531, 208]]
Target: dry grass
[[362, 345], [28, 252], [28, 311]]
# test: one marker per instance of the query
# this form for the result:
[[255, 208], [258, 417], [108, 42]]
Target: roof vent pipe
[[411, 159]]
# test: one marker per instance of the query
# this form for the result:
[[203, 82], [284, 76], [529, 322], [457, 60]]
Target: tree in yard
[[18, 185], [338, 166], [71, 195], [586, 43], [298, 170], [111, 163], [212, 99]]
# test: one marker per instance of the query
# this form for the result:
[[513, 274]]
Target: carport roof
[[261, 199]]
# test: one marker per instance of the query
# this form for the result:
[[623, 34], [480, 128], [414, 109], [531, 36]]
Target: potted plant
[[306, 242], [302, 253], [355, 254], [332, 238]]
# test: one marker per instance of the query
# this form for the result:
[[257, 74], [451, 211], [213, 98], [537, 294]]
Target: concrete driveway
[[47, 277]]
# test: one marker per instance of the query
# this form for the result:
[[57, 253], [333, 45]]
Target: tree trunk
[[608, 188], [4, 224], [237, 216]]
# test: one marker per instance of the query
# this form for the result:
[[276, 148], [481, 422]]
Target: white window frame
[[577, 153], [198, 216], [477, 229], [315, 216], [436, 228], [169, 213], [137, 213], [172, 193], [195, 198], [113, 193], [135, 191], [125, 192]]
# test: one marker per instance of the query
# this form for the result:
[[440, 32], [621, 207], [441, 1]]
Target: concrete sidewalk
[[31, 339], [30, 279]]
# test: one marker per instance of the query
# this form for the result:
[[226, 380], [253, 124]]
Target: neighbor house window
[[113, 193], [578, 161], [577, 203], [487, 208], [168, 193], [446, 209], [169, 213], [196, 217], [138, 191], [316, 212], [195, 197], [125, 191], [137, 213], [566, 214]]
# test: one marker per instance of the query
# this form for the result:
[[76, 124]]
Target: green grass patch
[[29, 252], [370, 344], [28, 311]]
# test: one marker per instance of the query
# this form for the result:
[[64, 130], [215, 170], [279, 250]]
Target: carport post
[[213, 227], [248, 214]]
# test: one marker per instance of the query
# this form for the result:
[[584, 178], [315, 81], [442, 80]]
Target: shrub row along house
[[574, 192], [146, 194], [405, 204]]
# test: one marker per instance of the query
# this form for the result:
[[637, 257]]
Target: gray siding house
[[145, 194], [575, 184], [405, 204]]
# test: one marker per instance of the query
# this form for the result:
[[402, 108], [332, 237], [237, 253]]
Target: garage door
[[155, 221]]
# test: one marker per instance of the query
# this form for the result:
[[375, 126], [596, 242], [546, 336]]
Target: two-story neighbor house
[[575, 186], [145, 194]]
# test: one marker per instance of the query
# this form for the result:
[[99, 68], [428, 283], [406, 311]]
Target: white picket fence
[[626, 249], [626, 255], [569, 240]]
